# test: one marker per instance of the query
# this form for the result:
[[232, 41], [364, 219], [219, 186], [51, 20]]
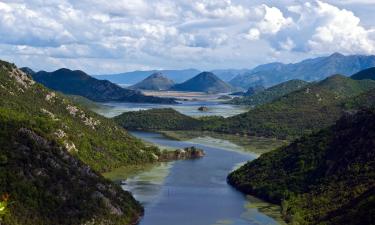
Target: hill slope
[[308, 70], [324, 178], [79, 83], [204, 82], [365, 74], [50, 151], [270, 94], [156, 81]]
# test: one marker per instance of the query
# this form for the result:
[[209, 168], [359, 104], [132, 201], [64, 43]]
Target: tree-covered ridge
[[324, 178], [97, 141], [79, 83], [157, 119], [306, 110], [270, 94]]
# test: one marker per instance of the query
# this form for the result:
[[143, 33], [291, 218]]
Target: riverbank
[[196, 187]]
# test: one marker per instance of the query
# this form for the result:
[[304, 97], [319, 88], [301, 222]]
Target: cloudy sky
[[101, 36]]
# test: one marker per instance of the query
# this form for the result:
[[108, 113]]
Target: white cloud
[[174, 33]]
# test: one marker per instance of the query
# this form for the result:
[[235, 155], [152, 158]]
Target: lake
[[189, 106], [194, 192]]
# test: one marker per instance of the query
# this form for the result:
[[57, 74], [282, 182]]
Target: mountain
[[79, 83], [204, 82], [307, 70], [228, 74], [323, 178], [52, 151], [365, 74], [270, 94], [134, 77], [156, 81]]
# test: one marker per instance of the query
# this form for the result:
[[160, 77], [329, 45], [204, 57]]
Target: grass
[[255, 145]]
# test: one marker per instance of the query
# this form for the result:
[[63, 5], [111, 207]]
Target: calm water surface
[[190, 108], [193, 192]]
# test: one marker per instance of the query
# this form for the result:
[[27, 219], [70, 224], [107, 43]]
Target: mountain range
[[308, 70], [267, 75], [79, 83]]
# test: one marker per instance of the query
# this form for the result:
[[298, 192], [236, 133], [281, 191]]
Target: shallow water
[[193, 192], [190, 108]]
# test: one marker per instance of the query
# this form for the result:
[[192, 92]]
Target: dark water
[[195, 192]]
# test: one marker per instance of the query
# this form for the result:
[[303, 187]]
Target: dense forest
[[324, 178]]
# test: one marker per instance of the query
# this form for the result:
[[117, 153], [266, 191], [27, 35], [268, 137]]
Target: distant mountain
[[324, 178], [156, 81], [79, 83], [204, 82], [228, 74], [270, 94], [308, 70], [365, 74], [131, 78]]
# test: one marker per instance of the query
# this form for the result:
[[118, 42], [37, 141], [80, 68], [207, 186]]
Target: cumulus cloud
[[94, 34]]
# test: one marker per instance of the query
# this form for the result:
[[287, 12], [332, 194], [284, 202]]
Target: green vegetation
[[156, 119], [301, 112], [50, 151], [270, 94], [324, 178], [95, 140]]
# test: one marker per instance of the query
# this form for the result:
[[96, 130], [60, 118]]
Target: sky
[[103, 37]]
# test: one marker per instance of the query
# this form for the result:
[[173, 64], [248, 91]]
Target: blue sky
[[101, 36]]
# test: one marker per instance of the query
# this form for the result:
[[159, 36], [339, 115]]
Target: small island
[[203, 109], [181, 154]]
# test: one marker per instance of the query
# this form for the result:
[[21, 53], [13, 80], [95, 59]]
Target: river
[[193, 192]]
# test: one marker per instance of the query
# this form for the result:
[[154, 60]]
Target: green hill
[[270, 94], [156, 119], [365, 74], [311, 108], [50, 151], [324, 178]]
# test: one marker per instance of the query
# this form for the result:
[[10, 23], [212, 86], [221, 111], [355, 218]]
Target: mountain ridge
[[78, 82]]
